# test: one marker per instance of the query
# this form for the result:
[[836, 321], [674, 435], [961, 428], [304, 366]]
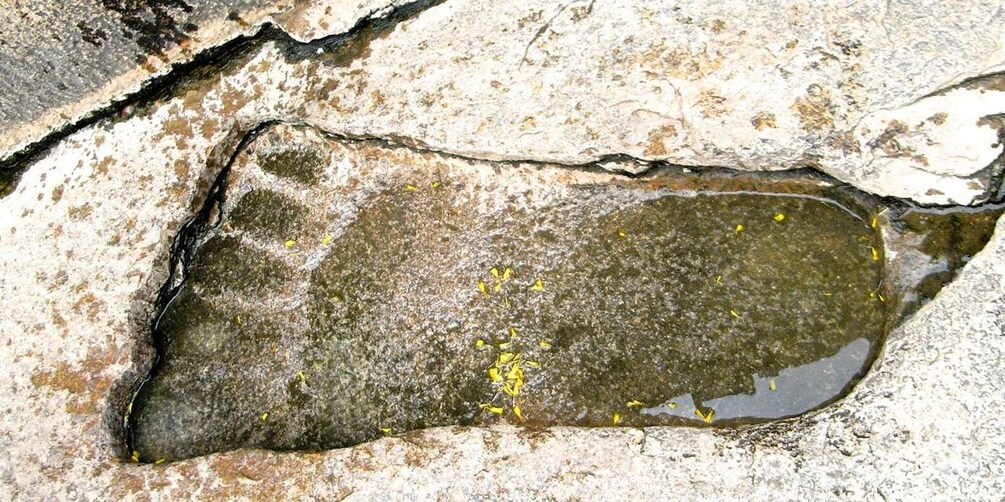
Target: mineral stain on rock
[[354, 290]]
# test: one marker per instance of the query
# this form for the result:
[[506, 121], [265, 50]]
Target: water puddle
[[348, 290]]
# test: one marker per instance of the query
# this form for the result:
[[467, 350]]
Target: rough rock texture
[[61, 60], [85, 236], [867, 93]]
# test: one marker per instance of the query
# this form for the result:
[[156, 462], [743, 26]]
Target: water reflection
[[793, 391]]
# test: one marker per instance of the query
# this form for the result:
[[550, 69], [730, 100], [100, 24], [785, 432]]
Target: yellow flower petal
[[482, 288], [672, 405], [386, 431], [491, 409], [436, 184], [265, 416], [739, 228], [479, 343], [707, 418], [494, 272], [533, 364], [538, 285], [771, 385], [290, 243], [507, 273], [718, 280], [875, 253], [622, 233], [410, 188], [544, 344], [875, 221], [616, 418], [635, 404], [159, 461], [512, 332], [327, 239], [498, 287], [135, 456], [515, 373], [779, 217], [494, 375], [734, 314], [518, 412], [506, 357]]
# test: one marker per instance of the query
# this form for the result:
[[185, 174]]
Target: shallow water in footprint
[[353, 290]]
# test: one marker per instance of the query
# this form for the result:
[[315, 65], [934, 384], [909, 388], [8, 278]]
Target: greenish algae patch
[[440, 292]]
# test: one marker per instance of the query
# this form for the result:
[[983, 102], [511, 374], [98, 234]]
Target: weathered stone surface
[[868, 94], [61, 60], [85, 236]]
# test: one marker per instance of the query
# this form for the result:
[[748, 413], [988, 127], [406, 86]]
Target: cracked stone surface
[[870, 94], [62, 60]]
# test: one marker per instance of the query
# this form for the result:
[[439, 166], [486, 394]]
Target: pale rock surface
[[85, 236]]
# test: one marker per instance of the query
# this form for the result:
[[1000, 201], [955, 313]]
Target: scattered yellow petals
[[532, 364], [635, 404], [436, 184], [494, 272], [880, 296], [672, 405], [498, 287], [518, 412], [327, 239], [494, 375], [410, 188], [875, 253], [491, 409], [771, 385], [482, 288], [509, 390], [135, 456], [779, 217], [538, 285], [265, 416], [739, 228], [386, 431], [159, 461], [707, 418], [622, 233], [479, 343], [617, 418], [515, 373], [507, 273], [544, 344], [875, 221], [238, 319], [512, 332], [828, 293], [872, 294], [718, 280], [290, 243], [734, 314], [506, 357]]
